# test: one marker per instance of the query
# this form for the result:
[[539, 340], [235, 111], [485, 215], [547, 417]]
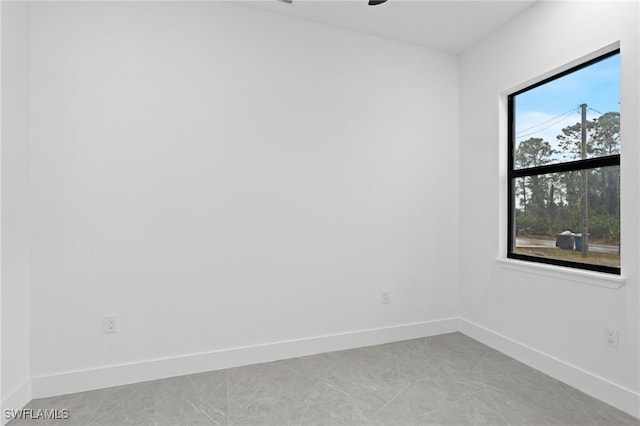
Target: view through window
[[564, 168]]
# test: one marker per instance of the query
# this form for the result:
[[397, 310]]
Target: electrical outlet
[[611, 337], [110, 324], [385, 297]]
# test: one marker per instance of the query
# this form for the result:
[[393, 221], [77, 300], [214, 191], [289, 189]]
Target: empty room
[[317, 212]]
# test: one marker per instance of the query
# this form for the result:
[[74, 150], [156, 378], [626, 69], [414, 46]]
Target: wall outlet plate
[[110, 324], [385, 297], [611, 337]]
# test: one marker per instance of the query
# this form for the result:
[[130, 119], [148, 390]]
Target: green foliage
[[533, 152], [532, 225], [606, 138], [570, 141], [549, 204], [605, 227]]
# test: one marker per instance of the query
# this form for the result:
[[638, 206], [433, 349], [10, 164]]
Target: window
[[564, 168]]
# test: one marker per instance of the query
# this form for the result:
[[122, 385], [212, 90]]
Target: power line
[[574, 109], [558, 120]]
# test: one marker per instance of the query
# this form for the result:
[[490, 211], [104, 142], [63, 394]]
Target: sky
[[544, 111]]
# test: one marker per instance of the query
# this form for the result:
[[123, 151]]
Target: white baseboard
[[77, 381], [83, 380], [624, 399], [16, 400]]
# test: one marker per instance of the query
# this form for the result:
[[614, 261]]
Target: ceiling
[[449, 26]]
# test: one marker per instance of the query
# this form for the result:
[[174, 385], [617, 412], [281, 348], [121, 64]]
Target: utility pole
[[585, 186]]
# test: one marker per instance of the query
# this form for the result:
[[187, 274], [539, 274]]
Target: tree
[[552, 203], [606, 136], [532, 153], [536, 197], [570, 141], [603, 138]]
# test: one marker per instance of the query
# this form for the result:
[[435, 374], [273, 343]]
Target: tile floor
[[441, 380]]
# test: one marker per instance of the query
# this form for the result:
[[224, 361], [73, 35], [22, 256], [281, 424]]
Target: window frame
[[567, 166]]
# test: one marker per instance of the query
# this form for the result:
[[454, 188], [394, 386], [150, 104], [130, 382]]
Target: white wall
[[15, 205], [562, 320], [221, 177]]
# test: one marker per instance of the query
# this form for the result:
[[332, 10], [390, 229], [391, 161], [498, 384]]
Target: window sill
[[597, 279]]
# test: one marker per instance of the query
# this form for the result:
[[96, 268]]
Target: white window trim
[[583, 276]]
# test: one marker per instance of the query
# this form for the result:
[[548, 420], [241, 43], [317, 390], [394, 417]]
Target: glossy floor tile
[[441, 380]]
